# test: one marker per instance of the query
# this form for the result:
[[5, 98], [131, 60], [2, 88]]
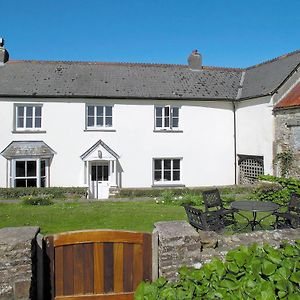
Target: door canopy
[[99, 151]]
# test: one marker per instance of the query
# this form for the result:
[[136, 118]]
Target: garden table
[[254, 207]]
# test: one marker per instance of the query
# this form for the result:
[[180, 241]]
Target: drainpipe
[[234, 141], [239, 95]]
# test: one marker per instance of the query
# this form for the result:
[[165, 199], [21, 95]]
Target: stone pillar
[[178, 245], [18, 263]]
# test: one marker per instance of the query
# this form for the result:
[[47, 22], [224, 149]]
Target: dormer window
[[166, 117]]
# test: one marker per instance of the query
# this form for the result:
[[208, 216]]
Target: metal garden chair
[[290, 218], [214, 205], [203, 220]]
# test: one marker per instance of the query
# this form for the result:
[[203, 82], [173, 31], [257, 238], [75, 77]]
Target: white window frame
[[25, 116], [37, 177], [95, 117], [164, 181], [170, 124]]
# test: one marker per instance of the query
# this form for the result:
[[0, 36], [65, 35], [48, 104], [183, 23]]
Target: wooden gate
[[101, 264]]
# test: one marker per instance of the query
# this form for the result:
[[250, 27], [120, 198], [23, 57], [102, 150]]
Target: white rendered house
[[121, 125]]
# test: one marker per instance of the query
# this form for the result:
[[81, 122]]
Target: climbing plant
[[285, 160]]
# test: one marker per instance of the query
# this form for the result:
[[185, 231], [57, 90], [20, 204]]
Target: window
[[29, 173], [28, 117], [166, 118], [100, 173], [99, 116], [166, 170]]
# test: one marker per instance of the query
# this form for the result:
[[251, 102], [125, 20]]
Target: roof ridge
[[121, 64], [96, 63], [274, 59]]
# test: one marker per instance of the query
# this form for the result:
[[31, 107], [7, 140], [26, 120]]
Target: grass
[[66, 216], [62, 216]]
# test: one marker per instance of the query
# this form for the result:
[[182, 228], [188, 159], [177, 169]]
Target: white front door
[[100, 180]]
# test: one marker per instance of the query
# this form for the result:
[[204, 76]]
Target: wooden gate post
[[49, 287]]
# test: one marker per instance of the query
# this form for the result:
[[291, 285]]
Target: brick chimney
[[4, 56], [195, 60]]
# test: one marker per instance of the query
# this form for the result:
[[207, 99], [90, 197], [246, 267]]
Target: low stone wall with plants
[[179, 244], [18, 263]]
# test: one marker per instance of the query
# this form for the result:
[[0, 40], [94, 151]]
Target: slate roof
[[73, 79], [291, 100], [265, 78], [27, 148], [141, 81]]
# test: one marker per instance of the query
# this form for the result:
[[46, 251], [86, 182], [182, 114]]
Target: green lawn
[[60, 217], [137, 216]]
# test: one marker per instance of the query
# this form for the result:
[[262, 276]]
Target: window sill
[[29, 131], [100, 129], [170, 184], [167, 130]]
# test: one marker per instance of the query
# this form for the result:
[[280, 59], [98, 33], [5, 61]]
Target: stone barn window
[[250, 167]]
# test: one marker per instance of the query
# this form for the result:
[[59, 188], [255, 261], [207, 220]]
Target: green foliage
[[168, 197], [279, 192], [38, 200], [193, 197], [285, 160], [56, 192], [255, 272], [157, 192]]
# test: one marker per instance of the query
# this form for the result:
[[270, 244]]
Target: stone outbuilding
[[287, 133]]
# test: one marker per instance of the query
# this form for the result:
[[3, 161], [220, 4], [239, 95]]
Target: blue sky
[[226, 33]]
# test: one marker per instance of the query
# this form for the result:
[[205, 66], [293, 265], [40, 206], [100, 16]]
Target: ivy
[[286, 160], [255, 272]]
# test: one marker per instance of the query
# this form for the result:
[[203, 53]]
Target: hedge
[[56, 192], [158, 191]]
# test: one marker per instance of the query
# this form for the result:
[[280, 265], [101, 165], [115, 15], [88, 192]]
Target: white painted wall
[[255, 129], [205, 144]]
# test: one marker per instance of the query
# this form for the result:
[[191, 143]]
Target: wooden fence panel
[[100, 264]]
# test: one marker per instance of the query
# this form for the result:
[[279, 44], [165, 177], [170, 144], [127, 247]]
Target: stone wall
[[175, 244], [17, 263], [287, 137], [180, 244]]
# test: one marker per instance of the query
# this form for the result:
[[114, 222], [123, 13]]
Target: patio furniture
[[213, 204], [254, 207], [203, 220], [290, 218]]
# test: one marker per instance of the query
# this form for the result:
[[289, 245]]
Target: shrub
[[255, 272], [156, 192], [167, 196], [57, 192], [192, 199], [278, 192], [38, 200]]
